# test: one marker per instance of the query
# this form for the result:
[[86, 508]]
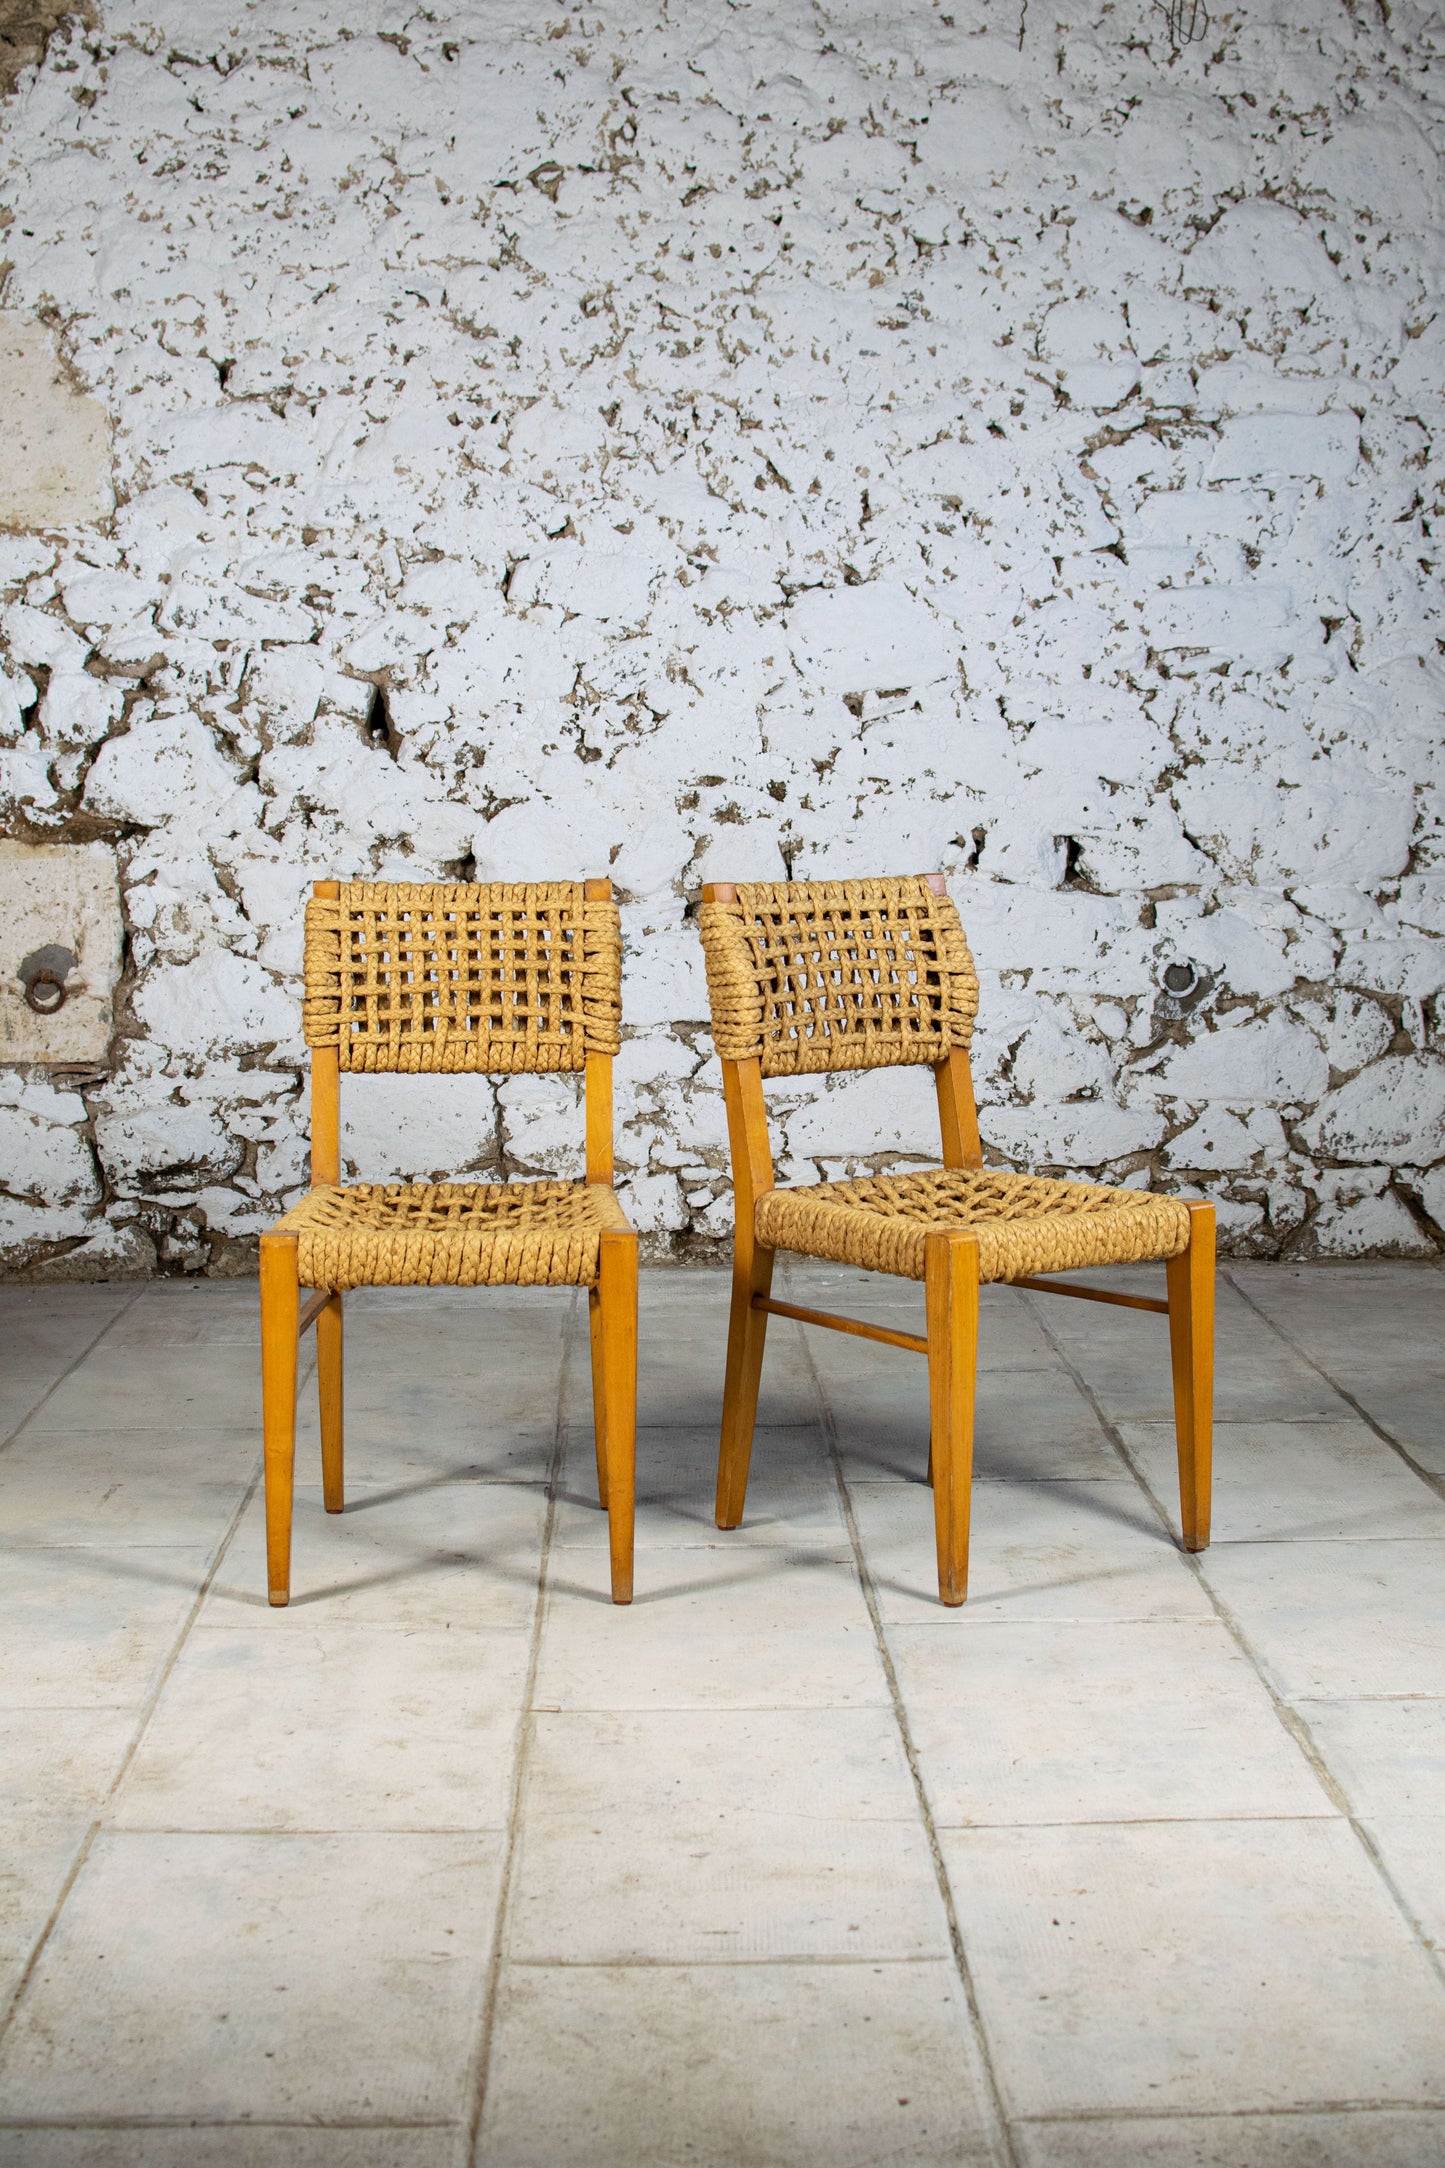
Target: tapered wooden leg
[[1191, 1347], [280, 1304], [747, 1333], [951, 1286], [328, 1383], [617, 1332], [599, 1397]]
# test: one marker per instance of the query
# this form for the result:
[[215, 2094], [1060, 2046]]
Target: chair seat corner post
[[752, 1166], [616, 1345], [1190, 1279], [280, 1306], [951, 1281]]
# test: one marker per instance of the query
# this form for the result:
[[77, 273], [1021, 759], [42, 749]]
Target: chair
[[811, 977], [443, 979]]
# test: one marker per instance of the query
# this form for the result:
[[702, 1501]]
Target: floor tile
[[87, 1628], [44, 1331], [1125, 1358], [792, 1492], [293, 1724], [1030, 1425], [750, 1626], [441, 1438], [1037, 1550], [37, 1853], [1366, 2138], [1412, 1847], [1375, 1334], [324, 1977], [687, 1837], [1095, 1721], [1194, 1966], [125, 1388], [132, 1486], [237, 2145], [192, 1314], [1338, 1621], [60, 1759], [734, 2066], [1388, 1757], [1326, 1482], [421, 1554]]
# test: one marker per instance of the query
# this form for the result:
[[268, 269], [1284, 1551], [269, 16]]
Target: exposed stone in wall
[[57, 444], [60, 952], [25, 27], [742, 440]]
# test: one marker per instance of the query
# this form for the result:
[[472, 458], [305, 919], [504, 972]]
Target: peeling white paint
[[742, 441]]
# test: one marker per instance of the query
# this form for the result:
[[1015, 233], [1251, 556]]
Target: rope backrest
[[501, 977], [815, 975]]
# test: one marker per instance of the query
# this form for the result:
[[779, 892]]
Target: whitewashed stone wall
[[721, 439]]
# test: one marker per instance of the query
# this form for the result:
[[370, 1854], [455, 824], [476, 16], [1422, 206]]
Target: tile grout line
[[526, 1730], [148, 1706], [27, 1971], [1002, 2129], [1435, 1482], [70, 1368], [1291, 1722], [148, 1709]]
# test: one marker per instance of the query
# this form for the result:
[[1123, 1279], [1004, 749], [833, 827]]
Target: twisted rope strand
[[503, 978], [457, 1234], [826, 975], [1025, 1223]]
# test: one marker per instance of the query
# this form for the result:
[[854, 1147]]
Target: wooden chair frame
[[951, 1289], [612, 1306]]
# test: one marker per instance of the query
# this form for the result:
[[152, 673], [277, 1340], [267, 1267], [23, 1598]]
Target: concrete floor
[[1136, 1859]]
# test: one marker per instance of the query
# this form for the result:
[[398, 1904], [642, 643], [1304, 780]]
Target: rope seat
[[451, 1234], [445, 976], [818, 975], [1025, 1223]]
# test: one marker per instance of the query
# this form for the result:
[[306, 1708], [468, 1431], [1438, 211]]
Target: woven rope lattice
[[814, 975], [458, 1234], [1025, 1223], [500, 978]]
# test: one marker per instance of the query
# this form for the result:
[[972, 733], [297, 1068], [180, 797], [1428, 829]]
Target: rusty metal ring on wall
[[45, 991]]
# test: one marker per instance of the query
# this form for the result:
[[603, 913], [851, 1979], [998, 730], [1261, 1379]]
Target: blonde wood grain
[[599, 1397], [599, 1119], [752, 1163], [326, 1091], [280, 1303], [1191, 1347], [957, 1113], [617, 1305], [328, 1386], [598, 1081], [951, 1290], [1093, 1294], [854, 1325]]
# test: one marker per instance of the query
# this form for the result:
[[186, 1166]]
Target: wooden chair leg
[[747, 1335], [617, 1332], [599, 1396], [1191, 1348], [951, 1287], [280, 1304], [328, 1384]]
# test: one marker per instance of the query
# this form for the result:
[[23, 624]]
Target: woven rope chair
[[449, 979], [813, 977]]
